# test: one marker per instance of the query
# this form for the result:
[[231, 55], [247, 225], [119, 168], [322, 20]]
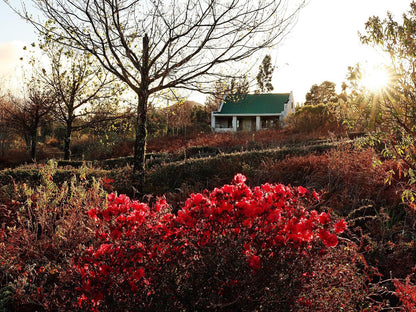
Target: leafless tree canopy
[[25, 116], [188, 39], [153, 45]]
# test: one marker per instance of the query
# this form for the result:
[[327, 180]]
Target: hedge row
[[32, 176], [208, 172], [196, 174], [192, 152]]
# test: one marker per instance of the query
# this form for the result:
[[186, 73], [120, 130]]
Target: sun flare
[[375, 78]]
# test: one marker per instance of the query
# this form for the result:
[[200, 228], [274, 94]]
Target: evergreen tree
[[264, 77]]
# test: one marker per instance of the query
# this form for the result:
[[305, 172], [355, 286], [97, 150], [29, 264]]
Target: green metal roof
[[248, 104]]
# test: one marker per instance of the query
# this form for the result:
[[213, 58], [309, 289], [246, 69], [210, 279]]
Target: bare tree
[[26, 115], [152, 45], [235, 87], [219, 89]]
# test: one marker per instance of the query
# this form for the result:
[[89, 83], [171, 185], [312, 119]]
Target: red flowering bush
[[233, 249], [407, 294]]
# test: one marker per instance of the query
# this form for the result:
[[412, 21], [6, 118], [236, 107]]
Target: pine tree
[[264, 77]]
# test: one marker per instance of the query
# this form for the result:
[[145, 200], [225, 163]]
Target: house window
[[223, 122], [270, 122]]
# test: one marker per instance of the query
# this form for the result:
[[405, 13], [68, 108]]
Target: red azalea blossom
[[239, 179], [254, 262], [302, 191], [104, 248], [340, 226], [111, 197], [329, 240], [139, 274], [93, 213], [324, 218]]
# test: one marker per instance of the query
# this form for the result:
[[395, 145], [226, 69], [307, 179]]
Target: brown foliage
[[232, 140], [41, 229], [348, 177]]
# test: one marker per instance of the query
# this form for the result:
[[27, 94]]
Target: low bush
[[33, 174], [63, 246], [358, 185], [42, 228], [233, 249], [312, 118], [407, 294], [349, 177], [230, 142]]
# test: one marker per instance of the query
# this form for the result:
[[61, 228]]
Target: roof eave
[[247, 115]]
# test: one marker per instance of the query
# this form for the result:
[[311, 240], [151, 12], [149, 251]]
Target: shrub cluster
[[310, 118], [41, 229], [233, 249]]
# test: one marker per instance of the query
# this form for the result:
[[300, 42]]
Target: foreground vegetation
[[64, 242]]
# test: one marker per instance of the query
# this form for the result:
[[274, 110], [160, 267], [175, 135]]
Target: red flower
[[305, 301], [93, 213], [323, 218], [340, 226], [104, 248], [239, 179], [329, 240], [108, 181], [303, 191], [254, 262], [105, 270], [197, 198], [138, 274], [111, 197], [81, 299]]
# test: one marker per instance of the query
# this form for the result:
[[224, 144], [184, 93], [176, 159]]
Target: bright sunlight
[[375, 78]]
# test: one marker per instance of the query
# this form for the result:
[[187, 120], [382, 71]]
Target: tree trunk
[[140, 144], [27, 138], [34, 142], [67, 140], [141, 122]]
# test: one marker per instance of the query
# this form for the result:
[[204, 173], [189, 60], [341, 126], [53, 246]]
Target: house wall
[[289, 106], [223, 123], [268, 122]]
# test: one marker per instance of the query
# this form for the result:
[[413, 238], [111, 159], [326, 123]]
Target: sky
[[321, 45]]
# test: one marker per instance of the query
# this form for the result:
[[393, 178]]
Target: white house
[[249, 112]]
